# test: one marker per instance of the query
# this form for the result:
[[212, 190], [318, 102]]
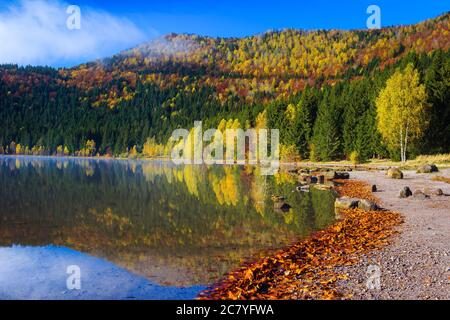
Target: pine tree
[[306, 117], [438, 89], [326, 129]]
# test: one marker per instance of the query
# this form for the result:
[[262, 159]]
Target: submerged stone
[[346, 203], [341, 175], [303, 188], [324, 187], [282, 206], [276, 198]]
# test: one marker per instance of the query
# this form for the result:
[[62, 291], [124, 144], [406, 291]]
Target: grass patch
[[437, 158], [441, 179], [441, 160]]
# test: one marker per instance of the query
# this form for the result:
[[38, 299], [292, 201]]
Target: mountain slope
[[271, 64], [115, 105]]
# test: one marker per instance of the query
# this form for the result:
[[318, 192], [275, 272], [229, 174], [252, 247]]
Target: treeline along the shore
[[122, 111]]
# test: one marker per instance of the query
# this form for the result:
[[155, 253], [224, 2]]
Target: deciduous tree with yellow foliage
[[402, 110]]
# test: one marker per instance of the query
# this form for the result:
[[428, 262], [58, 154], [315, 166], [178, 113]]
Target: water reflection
[[175, 225], [39, 273]]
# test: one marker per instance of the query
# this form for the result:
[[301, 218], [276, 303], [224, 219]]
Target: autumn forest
[[327, 91]]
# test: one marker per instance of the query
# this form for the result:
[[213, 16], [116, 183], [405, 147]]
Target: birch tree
[[402, 110]]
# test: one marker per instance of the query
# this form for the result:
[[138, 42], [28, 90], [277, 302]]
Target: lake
[[141, 229]]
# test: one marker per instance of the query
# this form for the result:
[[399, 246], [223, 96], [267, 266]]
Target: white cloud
[[35, 32]]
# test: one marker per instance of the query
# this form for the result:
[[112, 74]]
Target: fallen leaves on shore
[[356, 189], [306, 270]]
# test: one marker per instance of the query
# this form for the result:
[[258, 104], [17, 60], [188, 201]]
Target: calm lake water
[[140, 229]]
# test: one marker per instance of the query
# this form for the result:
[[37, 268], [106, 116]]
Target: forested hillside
[[318, 87]]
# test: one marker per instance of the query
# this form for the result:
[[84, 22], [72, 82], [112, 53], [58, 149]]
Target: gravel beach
[[417, 263]]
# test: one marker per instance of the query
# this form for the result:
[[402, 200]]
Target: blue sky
[[34, 32], [242, 18]]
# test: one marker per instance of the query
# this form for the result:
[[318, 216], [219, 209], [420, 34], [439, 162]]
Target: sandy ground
[[417, 263]]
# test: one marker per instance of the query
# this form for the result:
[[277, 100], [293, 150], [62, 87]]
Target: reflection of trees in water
[[182, 225]]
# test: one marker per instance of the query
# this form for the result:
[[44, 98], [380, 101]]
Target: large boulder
[[427, 168], [405, 192], [346, 203], [394, 173]]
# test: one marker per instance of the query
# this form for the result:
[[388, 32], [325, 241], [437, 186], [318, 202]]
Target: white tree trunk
[[401, 144], [406, 142]]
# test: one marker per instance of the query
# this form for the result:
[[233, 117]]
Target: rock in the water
[[418, 194], [283, 206], [405, 192], [307, 178], [346, 203], [341, 175], [374, 188], [329, 175], [367, 205], [276, 198], [427, 168], [304, 178], [394, 173], [323, 187], [303, 188], [433, 192]]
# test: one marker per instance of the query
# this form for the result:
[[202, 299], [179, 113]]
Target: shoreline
[[342, 165], [417, 263], [410, 250], [309, 269]]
